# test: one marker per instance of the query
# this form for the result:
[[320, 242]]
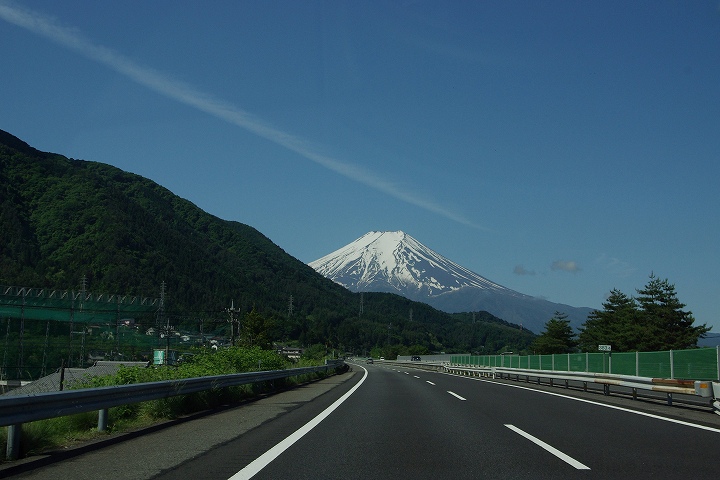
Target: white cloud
[[616, 266], [520, 270], [188, 95], [565, 265]]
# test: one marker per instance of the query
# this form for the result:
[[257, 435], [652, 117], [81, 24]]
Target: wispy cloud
[[520, 270], [616, 266], [565, 265], [182, 92]]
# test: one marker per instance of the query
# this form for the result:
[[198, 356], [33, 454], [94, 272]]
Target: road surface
[[387, 422]]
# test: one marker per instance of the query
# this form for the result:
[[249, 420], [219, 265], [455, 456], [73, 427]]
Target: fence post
[[717, 348], [12, 451], [672, 367], [637, 364], [587, 362], [103, 419]]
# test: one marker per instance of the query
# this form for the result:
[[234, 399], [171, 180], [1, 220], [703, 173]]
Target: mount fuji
[[397, 263]]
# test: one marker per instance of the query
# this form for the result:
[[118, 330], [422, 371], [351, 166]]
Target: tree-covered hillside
[[64, 220]]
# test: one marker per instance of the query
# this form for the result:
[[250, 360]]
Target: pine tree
[[668, 326], [558, 337], [616, 325]]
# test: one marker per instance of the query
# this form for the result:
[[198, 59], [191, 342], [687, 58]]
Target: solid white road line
[[263, 460], [456, 395], [592, 402], [565, 458]]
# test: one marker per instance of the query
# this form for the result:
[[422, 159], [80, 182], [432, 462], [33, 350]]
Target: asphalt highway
[[386, 422]]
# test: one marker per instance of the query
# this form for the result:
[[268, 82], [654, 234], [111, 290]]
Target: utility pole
[[362, 299], [166, 322], [232, 311]]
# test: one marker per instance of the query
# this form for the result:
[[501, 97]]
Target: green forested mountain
[[62, 220]]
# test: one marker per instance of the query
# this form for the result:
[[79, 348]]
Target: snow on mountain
[[395, 262]]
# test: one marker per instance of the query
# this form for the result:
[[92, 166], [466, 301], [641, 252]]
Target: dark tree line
[[654, 320]]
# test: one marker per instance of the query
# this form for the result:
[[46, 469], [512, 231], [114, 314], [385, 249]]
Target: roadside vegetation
[[654, 320], [54, 433]]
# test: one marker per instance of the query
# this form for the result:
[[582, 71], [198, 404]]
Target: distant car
[[369, 360], [414, 358]]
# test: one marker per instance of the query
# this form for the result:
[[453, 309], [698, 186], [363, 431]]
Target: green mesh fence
[[654, 364], [692, 364], [622, 363], [698, 364], [71, 306], [578, 362]]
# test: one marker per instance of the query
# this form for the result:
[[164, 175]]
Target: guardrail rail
[[700, 388], [18, 409]]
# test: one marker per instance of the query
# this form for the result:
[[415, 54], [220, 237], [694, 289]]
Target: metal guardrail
[[701, 388], [19, 409], [422, 365]]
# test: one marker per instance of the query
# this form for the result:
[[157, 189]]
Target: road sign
[[604, 348]]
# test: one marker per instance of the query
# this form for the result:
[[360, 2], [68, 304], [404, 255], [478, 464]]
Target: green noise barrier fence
[[691, 364]]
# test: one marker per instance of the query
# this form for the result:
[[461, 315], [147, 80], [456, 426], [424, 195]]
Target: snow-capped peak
[[396, 262]]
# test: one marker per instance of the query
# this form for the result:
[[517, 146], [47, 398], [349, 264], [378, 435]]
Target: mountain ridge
[[63, 220], [398, 263]]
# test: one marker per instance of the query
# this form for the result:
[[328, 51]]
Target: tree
[[558, 336], [616, 325], [255, 330], [666, 324]]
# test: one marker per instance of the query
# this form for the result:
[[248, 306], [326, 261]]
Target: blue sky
[[559, 148]]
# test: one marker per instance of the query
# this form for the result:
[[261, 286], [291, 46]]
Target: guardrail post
[[102, 420], [669, 399], [12, 451]]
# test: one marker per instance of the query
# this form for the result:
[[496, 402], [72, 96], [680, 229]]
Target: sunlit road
[[409, 424]]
